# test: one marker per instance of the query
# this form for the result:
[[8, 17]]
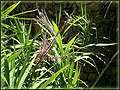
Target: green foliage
[[61, 64]]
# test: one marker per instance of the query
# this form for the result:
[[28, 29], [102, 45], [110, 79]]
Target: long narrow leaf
[[75, 75], [69, 44], [59, 37], [14, 56], [4, 78], [27, 57], [53, 77], [6, 66], [28, 35], [25, 74], [10, 9], [72, 24], [70, 74], [101, 44], [24, 12]]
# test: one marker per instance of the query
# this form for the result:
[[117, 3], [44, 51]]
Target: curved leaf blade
[[53, 77]]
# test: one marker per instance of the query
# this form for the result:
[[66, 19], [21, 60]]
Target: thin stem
[[104, 70]]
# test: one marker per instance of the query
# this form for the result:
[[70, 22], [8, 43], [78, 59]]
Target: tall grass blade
[[15, 55], [81, 8], [84, 83], [70, 74], [53, 77], [28, 35], [25, 74], [69, 44], [38, 84], [88, 62], [71, 25], [12, 69], [59, 16], [9, 9], [75, 75], [24, 12], [6, 66], [107, 10], [3, 5], [4, 78], [59, 38], [27, 58], [101, 44]]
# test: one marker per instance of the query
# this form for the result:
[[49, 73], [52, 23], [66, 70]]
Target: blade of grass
[[4, 5], [28, 35], [70, 74], [27, 57], [88, 62], [38, 84], [24, 12], [19, 31], [25, 74], [84, 83], [11, 8], [75, 75], [82, 58], [15, 55], [69, 44], [53, 77], [81, 8], [71, 25], [3, 12], [12, 68], [59, 38], [4, 78], [59, 16], [6, 66], [21, 18], [107, 10], [101, 44]]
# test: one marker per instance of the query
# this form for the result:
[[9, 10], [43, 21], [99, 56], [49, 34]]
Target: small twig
[[104, 69]]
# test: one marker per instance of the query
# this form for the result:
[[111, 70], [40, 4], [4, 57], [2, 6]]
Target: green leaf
[[69, 45], [84, 83], [4, 78], [28, 35], [88, 62], [75, 75], [59, 37], [15, 55], [38, 84], [24, 12], [19, 31], [70, 74], [9, 9], [107, 10], [53, 77], [72, 24], [25, 74], [6, 66], [20, 18], [81, 8], [71, 70], [101, 44], [26, 59], [82, 58]]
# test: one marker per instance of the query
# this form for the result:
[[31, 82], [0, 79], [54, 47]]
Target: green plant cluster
[[46, 63]]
